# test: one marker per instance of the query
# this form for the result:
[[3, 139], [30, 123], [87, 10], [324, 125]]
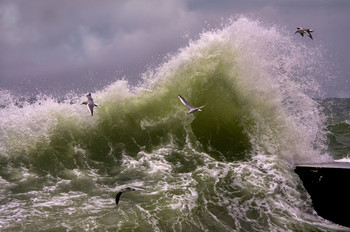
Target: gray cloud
[[80, 44], [43, 39]]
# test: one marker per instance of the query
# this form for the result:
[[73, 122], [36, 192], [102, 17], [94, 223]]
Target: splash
[[256, 83]]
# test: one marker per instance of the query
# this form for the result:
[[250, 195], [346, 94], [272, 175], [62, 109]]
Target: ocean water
[[227, 168], [338, 127]]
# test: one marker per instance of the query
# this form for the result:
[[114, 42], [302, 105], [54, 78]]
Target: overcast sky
[[64, 45]]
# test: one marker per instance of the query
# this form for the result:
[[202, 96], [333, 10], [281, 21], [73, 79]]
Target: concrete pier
[[329, 187]]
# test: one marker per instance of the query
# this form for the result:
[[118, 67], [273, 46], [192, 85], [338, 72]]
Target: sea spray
[[255, 84]]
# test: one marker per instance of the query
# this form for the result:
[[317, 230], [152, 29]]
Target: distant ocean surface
[[338, 127], [227, 168]]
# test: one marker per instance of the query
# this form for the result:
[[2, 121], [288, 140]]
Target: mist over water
[[227, 168]]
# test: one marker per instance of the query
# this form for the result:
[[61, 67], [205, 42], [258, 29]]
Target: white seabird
[[127, 189], [301, 31], [189, 106], [90, 103]]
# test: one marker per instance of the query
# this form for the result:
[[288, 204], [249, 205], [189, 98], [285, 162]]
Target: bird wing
[[309, 34], [117, 198], [91, 109], [127, 189], [188, 105]]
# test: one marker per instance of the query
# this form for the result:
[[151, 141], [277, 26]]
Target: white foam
[[343, 160]]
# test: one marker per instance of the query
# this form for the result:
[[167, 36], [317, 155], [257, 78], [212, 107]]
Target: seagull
[[301, 31], [127, 189], [188, 105], [90, 103]]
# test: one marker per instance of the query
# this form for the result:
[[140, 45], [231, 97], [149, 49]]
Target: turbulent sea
[[227, 168]]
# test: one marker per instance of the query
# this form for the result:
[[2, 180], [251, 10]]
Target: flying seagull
[[301, 31], [90, 103], [189, 106], [127, 189]]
